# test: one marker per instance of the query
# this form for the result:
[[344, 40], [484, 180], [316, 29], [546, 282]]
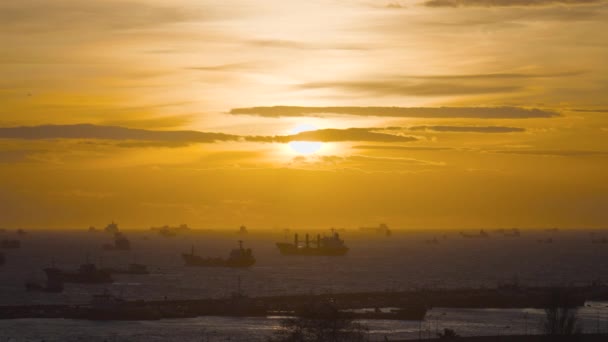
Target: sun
[[304, 147]]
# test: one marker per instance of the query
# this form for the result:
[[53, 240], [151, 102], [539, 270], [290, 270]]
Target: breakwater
[[408, 305]]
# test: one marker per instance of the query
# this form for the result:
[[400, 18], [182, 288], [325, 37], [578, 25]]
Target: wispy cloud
[[336, 135], [14, 156], [468, 129], [505, 3], [405, 87], [591, 110], [87, 131], [497, 76], [229, 67], [363, 162], [77, 16], [149, 122], [302, 45], [439, 85], [403, 148], [402, 112], [556, 153]]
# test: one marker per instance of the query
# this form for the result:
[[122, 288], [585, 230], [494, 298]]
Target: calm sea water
[[403, 261]]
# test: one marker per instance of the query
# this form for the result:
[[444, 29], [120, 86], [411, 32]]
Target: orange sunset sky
[[418, 113]]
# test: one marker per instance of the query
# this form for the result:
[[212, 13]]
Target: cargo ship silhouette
[[323, 246], [239, 257]]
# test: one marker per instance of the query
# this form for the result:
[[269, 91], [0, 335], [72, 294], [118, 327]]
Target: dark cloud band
[[404, 112], [149, 138], [336, 135]]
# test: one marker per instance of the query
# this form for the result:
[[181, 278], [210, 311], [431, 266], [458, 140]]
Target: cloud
[[404, 148], [557, 153], [439, 85], [302, 45], [153, 144], [497, 76], [133, 138], [468, 129], [530, 152], [14, 156], [392, 160], [394, 5], [505, 3], [363, 162], [401, 86], [591, 110], [156, 122], [401, 112], [77, 16], [87, 131], [229, 67], [336, 135]]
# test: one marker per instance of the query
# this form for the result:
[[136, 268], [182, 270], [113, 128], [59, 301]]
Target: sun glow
[[304, 147]]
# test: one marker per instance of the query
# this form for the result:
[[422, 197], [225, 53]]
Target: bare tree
[[448, 334], [321, 323], [561, 315]]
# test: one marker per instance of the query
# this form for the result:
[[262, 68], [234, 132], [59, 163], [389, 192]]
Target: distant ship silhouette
[[481, 235], [239, 257], [112, 228], [381, 229], [323, 246], [121, 243]]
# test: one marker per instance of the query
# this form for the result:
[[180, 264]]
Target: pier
[[408, 305]]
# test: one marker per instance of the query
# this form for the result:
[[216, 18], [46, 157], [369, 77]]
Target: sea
[[375, 262]]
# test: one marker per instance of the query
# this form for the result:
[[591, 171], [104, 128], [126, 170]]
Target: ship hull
[[290, 249]]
